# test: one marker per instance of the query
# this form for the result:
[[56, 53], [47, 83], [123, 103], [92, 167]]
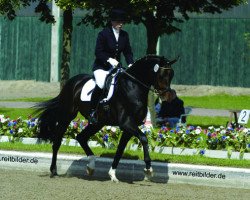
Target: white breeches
[[100, 77]]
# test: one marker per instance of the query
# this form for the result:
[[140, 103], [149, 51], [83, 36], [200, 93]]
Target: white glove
[[113, 62]]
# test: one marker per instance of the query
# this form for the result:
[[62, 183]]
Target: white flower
[[198, 131], [113, 129], [2, 119], [217, 129], [245, 130], [20, 130], [210, 127], [108, 127], [223, 131], [221, 127], [71, 124]]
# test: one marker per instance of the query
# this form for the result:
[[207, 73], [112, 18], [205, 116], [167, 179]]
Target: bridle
[[161, 91]]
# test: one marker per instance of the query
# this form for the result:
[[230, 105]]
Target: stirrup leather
[[93, 117]]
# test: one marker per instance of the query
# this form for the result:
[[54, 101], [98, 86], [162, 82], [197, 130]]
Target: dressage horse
[[128, 109]]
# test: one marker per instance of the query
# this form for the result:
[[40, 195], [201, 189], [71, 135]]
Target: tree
[[158, 16], [68, 7], [8, 8]]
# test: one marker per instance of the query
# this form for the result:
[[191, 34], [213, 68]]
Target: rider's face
[[117, 25]]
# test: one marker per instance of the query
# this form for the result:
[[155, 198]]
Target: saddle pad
[[88, 88]]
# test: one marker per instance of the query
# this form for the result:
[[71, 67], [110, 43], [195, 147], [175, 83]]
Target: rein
[[146, 86]]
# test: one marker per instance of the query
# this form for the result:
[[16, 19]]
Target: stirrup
[[92, 117]]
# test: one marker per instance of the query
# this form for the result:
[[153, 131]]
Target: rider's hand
[[113, 62]]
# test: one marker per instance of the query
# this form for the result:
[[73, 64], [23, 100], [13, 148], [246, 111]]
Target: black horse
[[128, 109]]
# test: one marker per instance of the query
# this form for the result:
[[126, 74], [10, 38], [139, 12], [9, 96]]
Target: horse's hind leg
[[60, 130], [83, 138]]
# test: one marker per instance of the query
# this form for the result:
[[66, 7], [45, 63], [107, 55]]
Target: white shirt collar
[[116, 33]]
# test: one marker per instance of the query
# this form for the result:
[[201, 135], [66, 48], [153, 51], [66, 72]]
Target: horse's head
[[164, 75], [153, 70]]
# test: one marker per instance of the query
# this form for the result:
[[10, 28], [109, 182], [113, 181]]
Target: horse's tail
[[55, 115], [48, 114]]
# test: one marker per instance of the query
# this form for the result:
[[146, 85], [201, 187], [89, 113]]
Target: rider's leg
[[100, 77], [94, 102]]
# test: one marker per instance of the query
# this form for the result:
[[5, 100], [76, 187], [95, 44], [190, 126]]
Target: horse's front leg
[[121, 146], [148, 171], [83, 138], [129, 129]]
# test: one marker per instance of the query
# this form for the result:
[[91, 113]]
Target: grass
[[34, 99], [218, 101], [14, 113], [197, 160], [24, 113]]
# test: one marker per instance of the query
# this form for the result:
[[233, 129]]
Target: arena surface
[[38, 185]]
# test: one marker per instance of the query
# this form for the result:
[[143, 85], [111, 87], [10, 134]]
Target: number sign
[[244, 116]]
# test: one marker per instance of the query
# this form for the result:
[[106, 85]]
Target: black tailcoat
[[107, 47]]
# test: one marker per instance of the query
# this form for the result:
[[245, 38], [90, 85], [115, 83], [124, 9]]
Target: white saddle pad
[[88, 88]]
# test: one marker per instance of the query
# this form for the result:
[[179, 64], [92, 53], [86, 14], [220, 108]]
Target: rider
[[110, 43]]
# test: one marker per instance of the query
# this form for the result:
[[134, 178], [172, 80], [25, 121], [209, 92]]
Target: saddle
[[108, 89]]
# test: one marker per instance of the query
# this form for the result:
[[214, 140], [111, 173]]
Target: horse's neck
[[133, 88], [140, 77], [140, 73]]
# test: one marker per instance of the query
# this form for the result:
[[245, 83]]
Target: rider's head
[[117, 18]]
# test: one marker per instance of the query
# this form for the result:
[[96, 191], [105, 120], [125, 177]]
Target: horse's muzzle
[[162, 91]]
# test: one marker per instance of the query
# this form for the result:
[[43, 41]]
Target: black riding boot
[[95, 98]]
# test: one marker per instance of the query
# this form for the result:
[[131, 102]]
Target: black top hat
[[118, 15]]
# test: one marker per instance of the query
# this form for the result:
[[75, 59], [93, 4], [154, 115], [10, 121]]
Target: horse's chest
[[138, 104]]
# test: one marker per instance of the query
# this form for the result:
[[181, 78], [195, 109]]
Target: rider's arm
[[100, 52]]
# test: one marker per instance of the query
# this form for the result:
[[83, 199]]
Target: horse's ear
[[173, 61]]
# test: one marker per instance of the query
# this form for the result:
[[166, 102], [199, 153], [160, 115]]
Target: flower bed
[[183, 137]]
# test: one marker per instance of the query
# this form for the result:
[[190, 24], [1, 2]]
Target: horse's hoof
[[53, 174], [113, 176], [90, 171], [148, 174]]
